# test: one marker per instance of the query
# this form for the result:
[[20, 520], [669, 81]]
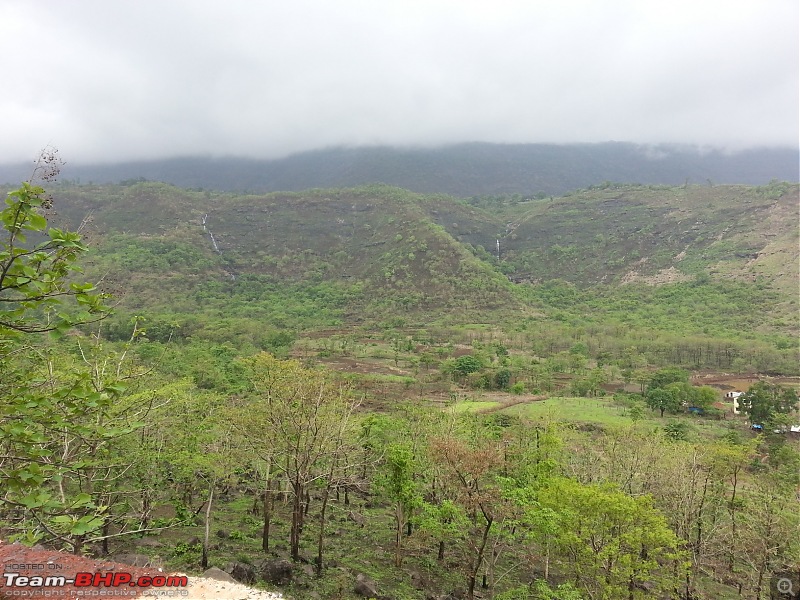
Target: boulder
[[242, 572], [276, 572], [218, 575], [356, 518], [135, 560], [365, 586]]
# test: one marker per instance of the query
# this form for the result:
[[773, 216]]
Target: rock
[[356, 518], [276, 572], [417, 581], [148, 543], [365, 586], [222, 534], [243, 572], [135, 560], [308, 570], [193, 541], [218, 575]]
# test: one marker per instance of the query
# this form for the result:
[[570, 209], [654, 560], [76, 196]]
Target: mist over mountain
[[462, 170]]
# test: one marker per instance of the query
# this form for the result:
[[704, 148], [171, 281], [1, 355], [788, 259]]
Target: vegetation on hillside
[[349, 380]]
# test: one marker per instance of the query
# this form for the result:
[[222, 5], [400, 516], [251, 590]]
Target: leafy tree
[[396, 482], [703, 397], [61, 420], [464, 365], [614, 542], [470, 472], [35, 277], [663, 400], [294, 419], [677, 430], [764, 401], [502, 377], [444, 522], [663, 377]]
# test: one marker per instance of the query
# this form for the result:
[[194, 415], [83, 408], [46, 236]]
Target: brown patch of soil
[[40, 562]]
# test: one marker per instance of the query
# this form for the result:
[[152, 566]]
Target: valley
[[351, 392]]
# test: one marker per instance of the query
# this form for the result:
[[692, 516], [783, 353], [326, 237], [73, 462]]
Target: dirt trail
[[504, 404]]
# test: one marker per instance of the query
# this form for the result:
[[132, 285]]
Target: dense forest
[[372, 393]]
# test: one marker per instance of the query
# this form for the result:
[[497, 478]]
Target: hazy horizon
[[109, 82]]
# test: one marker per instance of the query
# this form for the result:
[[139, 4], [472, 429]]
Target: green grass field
[[603, 412]]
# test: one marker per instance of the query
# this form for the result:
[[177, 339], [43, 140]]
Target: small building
[[734, 397]]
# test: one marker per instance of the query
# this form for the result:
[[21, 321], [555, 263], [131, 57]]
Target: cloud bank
[[109, 81]]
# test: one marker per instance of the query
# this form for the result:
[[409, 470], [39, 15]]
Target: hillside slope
[[377, 253], [659, 234]]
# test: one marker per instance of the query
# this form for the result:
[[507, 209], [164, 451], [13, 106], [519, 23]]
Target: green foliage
[[663, 400], [464, 365], [764, 402], [663, 377], [35, 277], [618, 542], [502, 377], [395, 480], [677, 430], [61, 422], [518, 388]]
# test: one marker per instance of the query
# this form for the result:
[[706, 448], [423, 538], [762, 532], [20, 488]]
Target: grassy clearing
[[472, 406], [603, 412]]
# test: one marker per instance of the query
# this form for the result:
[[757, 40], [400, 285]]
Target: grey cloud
[[144, 79]]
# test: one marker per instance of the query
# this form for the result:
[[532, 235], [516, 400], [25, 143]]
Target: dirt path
[[508, 403]]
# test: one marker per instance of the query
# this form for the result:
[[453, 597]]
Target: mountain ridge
[[462, 170]]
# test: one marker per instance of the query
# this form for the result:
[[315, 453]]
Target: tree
[[470, 472], [663, 400], [703, 397], [396, 482], [464, 365], [444, 521], [764, 401], [613, 543], [294, 420], [35, 277], [62, 420], [663, 377]]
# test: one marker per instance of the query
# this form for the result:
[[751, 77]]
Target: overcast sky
[[109, 80]]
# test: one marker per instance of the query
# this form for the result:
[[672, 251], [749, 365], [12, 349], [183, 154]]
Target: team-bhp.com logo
[[16, 582]]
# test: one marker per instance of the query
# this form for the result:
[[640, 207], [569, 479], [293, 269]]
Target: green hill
[[718, 261]]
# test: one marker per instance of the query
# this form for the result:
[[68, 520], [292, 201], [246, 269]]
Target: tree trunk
[[297, 519], [732, 511], [267, 515], [547, 560], [478, 560], [398, 536], [440, 556], [204, 560], [321, 538]]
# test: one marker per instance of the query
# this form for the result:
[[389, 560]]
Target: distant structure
[[735, 397]]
